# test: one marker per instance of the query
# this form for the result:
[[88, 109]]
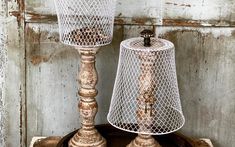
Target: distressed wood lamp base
[[144, 141], [87, 136]]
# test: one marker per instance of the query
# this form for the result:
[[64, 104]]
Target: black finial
[[147, 34]]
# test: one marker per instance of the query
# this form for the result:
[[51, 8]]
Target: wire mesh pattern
[[85, 23], [145, 96]]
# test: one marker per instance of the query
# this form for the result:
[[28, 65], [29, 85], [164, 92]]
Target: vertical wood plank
[[2, 74], [14, 100]]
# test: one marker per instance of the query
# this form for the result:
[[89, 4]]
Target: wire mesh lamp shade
[[145, 97], [85, 23]]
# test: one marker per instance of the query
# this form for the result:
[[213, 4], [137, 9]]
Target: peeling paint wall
[[205, 61], [200, 9], [41, 85], [12, 130], [205, 68], [174, 9], [164, 12]]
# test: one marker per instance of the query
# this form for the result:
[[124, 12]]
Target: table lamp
[[87, 25], [145, 97]]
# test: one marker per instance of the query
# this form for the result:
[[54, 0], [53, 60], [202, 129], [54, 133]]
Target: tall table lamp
[[87, 25], [145, 97]]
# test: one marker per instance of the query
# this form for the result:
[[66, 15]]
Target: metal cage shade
[[145, 97], [85, 23]]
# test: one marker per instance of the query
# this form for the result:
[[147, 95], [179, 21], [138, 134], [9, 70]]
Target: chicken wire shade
[[85, 23], [145, 97]]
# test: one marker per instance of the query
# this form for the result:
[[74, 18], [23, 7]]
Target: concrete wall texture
[[41, 88]]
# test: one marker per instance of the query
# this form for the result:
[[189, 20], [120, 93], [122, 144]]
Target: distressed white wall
[[200, 9], [205, 61], [11, 104], [205, 68], [174, 9], [205, 65]]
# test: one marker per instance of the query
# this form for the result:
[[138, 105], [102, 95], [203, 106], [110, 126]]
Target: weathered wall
[[205, 65], [12, 122], [202, 31]]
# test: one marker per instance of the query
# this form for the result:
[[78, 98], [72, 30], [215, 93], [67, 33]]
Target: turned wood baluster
[[87, 136], [145, 102]]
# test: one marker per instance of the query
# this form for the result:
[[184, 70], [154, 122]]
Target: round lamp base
[[144, 141], [84, 138]]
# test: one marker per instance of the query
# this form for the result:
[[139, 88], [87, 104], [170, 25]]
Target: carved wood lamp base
[[87, 136], [84, 138], [144, 141]]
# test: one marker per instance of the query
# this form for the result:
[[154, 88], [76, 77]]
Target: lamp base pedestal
[[87, 136], [84, 138], [144, 141]]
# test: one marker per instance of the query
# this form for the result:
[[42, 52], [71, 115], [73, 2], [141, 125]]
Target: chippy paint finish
[[200, 9], [223, 10], [12, 104], [204, 58], [88, 108], [205, 68]]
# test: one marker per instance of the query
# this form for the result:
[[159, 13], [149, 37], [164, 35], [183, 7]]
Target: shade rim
[[85, 46], [139, 132]]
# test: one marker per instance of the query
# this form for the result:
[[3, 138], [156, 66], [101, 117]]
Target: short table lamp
[[145, 97], [87, 25]]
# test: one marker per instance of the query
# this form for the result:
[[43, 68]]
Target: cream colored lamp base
[[144, 141], [86, 138]]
